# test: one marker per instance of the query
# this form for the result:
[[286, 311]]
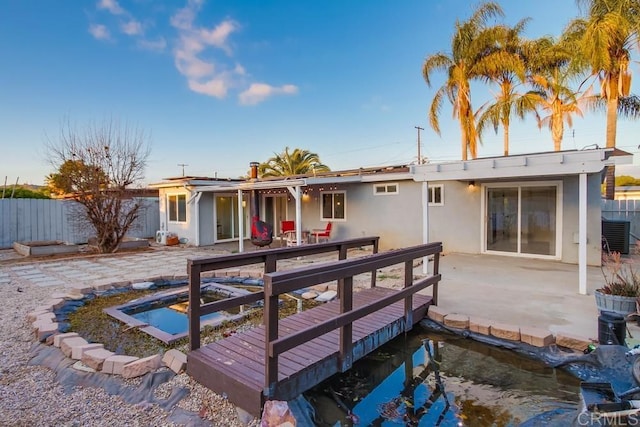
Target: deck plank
[[235, 365]]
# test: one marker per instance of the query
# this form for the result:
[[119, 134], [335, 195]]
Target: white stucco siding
[[207, 229], [396, 218], [570, 220], [457, 223], [185, 229]]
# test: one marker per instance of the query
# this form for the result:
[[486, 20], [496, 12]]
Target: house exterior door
[[226, 218], [523, 219]]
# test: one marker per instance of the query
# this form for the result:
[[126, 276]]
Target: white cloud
[[218, 36], [100, 32], [258, 92], [155, 45], [111, 5], [216, 87], [191, 66], [132, 28], [239, 69]]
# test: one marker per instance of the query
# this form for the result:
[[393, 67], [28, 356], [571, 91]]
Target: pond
[[429, 379], [164, 315]]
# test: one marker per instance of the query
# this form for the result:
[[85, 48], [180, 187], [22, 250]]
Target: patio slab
[[521, 292]]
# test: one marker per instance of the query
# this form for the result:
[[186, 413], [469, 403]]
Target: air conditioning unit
[[161, 236]]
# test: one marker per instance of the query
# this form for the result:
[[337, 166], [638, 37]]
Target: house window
[[334, 205], [384, 189], [178, 208], [436, 195]]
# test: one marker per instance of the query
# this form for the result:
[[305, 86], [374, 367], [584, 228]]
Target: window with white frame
[[334, 206], [177, 207], [436, 195], [385, 189]]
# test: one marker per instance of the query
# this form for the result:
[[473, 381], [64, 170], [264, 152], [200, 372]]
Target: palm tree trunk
[[505, 136], [612, 121]]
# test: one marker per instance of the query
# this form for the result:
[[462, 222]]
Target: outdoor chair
[[287, 232], [322, 234]]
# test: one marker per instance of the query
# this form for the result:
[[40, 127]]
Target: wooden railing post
[[270, 320], [374, 273], [345, 288], [270, 265], [436, 270], [408, 301], [194, 306], [342, 254]]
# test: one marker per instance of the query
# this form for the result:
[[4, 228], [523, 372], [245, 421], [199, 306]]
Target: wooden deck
[[235, 366]]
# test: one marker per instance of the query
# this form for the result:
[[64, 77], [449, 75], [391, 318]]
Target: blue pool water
[[169, 320]]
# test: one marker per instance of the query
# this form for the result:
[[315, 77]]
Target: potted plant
[[622, 285]]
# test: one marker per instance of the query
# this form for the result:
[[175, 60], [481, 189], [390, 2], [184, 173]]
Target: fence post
[[345, 287], [194, 305]]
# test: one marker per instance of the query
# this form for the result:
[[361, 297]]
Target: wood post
[[408, 301], [270, 320], [345, 286], [194, 306], [436, 269]]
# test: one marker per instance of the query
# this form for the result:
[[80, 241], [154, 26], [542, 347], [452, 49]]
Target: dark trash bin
[[612, 328]]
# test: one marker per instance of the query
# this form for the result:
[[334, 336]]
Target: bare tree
[[97, 163]]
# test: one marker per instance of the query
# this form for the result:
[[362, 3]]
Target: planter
[[615, 303]]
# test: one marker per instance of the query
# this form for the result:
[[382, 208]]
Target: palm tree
[[508, 74], [552, 69], [297, 162], [471, 42], [606, 37]]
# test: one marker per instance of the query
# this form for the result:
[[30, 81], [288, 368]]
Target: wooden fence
[[46, 219]]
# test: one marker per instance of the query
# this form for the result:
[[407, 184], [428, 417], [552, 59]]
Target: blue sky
[[219, 84]]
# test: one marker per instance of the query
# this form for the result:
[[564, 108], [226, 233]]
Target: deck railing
[[277, 283], [268, 257]]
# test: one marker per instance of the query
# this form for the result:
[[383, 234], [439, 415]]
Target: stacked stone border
[[536, 337], [49, 326]]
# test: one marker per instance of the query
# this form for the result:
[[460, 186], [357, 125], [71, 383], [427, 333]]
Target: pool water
[[428, 379], [170, 320]]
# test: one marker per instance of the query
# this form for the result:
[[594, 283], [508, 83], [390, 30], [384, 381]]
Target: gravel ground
[[31, 395]]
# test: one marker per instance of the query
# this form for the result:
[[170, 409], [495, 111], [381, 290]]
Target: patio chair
[[287, 231], [322, 234]]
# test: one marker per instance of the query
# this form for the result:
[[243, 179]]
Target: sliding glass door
[[522, 219]]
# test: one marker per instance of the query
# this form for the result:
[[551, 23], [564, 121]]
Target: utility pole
[[183, 165], [419, 156]]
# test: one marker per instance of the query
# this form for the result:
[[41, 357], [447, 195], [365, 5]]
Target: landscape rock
[[480, 325], [326, 296], [505, 331], [78, 351], [68, 344], [458, 321], [175, 360], [276, 413], [536, 336], [142, 285], [142, 366], [436, 313], [57, 341], [95, 358], [572, 341], [115, 364]]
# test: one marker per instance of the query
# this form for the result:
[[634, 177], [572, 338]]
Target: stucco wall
[[457, 223], [207, 229], [396, 218], [182, 229], [570, 220]]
